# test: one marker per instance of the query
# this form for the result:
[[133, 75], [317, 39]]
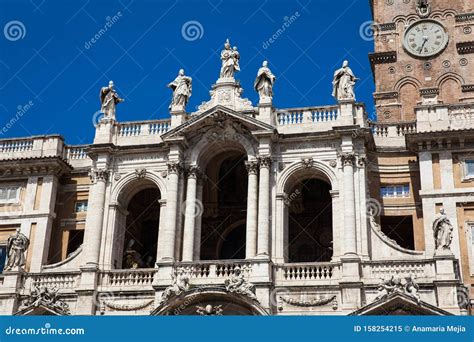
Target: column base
[[262, 256]]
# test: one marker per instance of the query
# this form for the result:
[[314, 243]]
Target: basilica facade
[[247, 209]]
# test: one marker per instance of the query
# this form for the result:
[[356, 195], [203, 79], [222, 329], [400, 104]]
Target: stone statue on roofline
[[182, 90], [343, 83], [264, 83], [230, 58], [109, 99]]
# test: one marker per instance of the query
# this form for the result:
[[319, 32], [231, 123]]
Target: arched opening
[[140, 237], [224, 200], [450, 91], [408, 98], [310, 236]]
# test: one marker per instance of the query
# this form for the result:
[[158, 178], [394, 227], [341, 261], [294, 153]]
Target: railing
[[76, 152], [301, 272], [392, 130], [133, 129], [135, 277], [307, 115], [461, 116], [215, 269], [384, 270], [16, 145], [68, 280]]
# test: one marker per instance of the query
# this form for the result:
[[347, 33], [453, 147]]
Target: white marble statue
[[443, 231], [109, 99], [406, 285], [182, 90], [17, 244], [238, 284], [230, 61], [343, 83], [264, 82], [180, 285]]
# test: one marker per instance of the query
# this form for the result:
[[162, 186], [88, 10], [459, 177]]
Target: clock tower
[[423, 55]]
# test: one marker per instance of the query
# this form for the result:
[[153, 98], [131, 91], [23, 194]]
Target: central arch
[[224, 199]]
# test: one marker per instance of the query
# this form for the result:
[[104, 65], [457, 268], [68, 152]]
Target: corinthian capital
[[193, 171], [174, 167], [347, 158], [265, 161], [99, 175], [252, 167]]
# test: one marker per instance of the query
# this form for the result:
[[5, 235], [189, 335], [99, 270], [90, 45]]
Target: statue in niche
[[230, 61], [182, 90], [132, 259], [443, 231], [238, 284], [264, 82], [17, 244], [423, 8], [343, 83], [109, 99]]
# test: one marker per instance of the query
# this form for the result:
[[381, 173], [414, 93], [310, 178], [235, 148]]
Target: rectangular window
[[469, 167], [81, 207], [9, 194], [402, 190], [3, 257]]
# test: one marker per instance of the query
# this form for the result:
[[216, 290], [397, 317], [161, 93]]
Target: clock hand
[[425, 39]]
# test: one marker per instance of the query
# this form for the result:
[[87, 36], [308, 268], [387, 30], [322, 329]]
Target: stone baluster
[[252, 209], [190, 213], [263, 247]]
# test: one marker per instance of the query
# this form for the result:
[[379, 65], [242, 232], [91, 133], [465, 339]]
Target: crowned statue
[[109, 99], [264, 83], [442, 231], [182, 90], [230, 61], [343, 83], [17, 244]]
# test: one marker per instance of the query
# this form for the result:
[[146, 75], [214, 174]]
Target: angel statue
[[182, 90], [343, 83], [180, 284], [109, 99], [264, 82], [238, 284], [17, 244], [230, 61], [443, 231]]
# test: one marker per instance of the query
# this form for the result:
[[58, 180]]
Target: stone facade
[[77, 204]]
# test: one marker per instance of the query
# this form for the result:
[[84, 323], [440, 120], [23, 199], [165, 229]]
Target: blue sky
[[49, 60]]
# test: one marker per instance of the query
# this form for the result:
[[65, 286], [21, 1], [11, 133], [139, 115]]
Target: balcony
[[141, 132], [391, 134], [133, 279], [307, 274], [32, 147], [440, 117], [316, 119]]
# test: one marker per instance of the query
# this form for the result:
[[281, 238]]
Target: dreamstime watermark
[[287, 22], [368, 29], [14, 30], [192, 30], [198, 207], [110, 22], [47, 329], [21, 110], [373, 207]]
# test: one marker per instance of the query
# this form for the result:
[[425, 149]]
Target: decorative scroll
[[307, 303], [128, 307]]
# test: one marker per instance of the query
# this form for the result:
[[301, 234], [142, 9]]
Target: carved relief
[[347, 158], [318, 301], [209, 310], [174, 167], [307, 162], [48, 297], [140, 173], [406, 285], [96, 175], [237, 283], [252, 167], [265, 161], [180, 284]]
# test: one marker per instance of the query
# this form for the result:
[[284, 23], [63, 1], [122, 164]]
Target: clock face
[[425, 38]]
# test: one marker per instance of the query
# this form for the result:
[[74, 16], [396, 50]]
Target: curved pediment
[[210, 301]]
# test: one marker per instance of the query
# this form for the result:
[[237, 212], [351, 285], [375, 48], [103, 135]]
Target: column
[[161, 226], [95, 216], [166, 240], [347, 160], [252, 209], [264, 208], [190, 213], [198, 223]]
